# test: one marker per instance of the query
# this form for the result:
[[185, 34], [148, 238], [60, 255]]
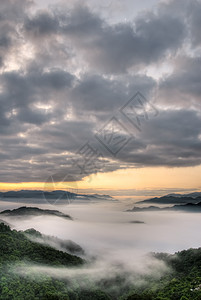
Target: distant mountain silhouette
[[52, 197], [35, 194], [175, 199], [189, 207]]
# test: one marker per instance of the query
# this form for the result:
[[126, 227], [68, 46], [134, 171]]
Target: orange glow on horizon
[[142, 178]]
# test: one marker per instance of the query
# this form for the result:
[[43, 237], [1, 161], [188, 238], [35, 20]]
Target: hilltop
[[33, 211]]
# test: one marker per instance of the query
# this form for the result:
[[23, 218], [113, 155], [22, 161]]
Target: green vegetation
[[16, 250], [182, 282], [65, 245], [15, 246]]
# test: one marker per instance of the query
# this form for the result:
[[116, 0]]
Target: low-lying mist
[[114, 241], [95, 274]]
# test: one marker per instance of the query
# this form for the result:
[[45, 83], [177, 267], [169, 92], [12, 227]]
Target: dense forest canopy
[[182, 282]]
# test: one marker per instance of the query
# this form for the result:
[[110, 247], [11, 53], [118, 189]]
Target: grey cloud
[[171, 139], [42, 24], [102, 96], [33, 116], [189, 11], [4, 41], [71, 52], [196, 25], [13, 10], [183, 85], [20, 90], [114, 48], [80, 21], [55, 79], [11, 17]]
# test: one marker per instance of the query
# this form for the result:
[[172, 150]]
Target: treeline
[[183, 282], [16, 250]]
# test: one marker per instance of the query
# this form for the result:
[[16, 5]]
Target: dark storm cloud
[[76, 70]]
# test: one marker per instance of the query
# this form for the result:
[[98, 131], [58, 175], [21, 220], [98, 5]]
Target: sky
[[100, 95]]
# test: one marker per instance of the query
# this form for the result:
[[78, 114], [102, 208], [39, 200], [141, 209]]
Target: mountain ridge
[[41, 193], [53, 197], [188, 207], [174, 199]]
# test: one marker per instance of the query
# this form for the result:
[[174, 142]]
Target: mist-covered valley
[[109, 226], [116, 245]]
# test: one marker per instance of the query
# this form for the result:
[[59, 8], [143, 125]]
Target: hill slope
[[182, 282], [16, 250], [33, 211], [15, 246], [54, 242]]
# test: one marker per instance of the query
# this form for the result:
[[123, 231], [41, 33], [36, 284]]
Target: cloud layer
[[67, 70]]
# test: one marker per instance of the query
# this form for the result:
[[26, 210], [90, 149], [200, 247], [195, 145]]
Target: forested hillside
[[182, 282]]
